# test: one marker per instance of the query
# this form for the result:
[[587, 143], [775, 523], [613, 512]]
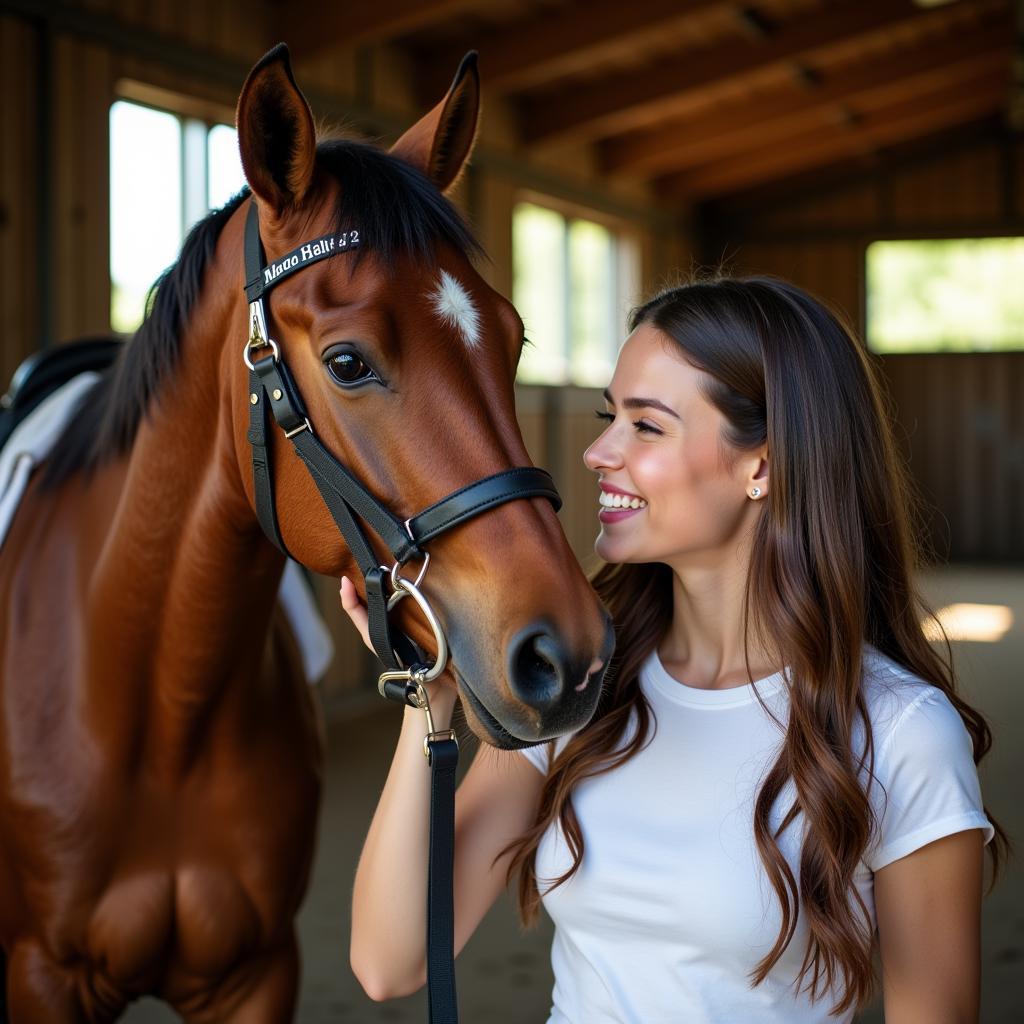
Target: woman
[[779, 769]]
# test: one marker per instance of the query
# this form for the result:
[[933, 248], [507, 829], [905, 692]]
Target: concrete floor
[[504, 975]]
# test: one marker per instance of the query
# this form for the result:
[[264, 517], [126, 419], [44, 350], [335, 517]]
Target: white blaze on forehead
[[453, 305]]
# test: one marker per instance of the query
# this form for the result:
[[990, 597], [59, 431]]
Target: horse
[[160, 750]]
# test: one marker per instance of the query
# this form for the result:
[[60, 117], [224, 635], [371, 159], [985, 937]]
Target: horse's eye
[[347, 368]]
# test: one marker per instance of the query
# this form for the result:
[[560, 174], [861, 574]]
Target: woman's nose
[[602, 454]]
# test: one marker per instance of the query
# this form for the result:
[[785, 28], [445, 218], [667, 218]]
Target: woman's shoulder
[[909, 712], [927, 782]]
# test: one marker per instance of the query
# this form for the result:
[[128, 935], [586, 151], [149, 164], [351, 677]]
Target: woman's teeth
[[609, 500]]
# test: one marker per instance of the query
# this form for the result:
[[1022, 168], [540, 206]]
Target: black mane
[[396, 209]]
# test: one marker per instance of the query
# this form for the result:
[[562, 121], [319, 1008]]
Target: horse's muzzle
[[551, 689]]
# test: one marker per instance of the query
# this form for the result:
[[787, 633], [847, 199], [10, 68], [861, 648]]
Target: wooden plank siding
[[83, 92], [960, 423], [960, 415], [20, 329]]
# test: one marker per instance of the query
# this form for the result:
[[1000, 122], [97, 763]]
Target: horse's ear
[[276, 137], [440, 143]]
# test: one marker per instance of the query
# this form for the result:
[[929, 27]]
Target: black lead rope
[[273, 392], [443, 1007]]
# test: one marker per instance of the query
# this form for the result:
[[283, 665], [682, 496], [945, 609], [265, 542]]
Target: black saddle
[[43, 372]]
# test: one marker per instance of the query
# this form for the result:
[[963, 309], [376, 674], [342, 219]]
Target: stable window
[[574, 279], [945, 295], [167, 170]]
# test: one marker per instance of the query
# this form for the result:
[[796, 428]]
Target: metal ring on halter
[[395, 578], [407, 588], [275, 351]]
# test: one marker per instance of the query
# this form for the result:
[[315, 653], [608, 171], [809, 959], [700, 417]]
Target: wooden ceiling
[[703, 98]]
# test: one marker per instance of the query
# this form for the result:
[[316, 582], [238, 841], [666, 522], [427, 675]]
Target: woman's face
[[663, 446]]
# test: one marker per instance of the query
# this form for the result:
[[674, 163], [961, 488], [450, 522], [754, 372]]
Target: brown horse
[[159, 753]]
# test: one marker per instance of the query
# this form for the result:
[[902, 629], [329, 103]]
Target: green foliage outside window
[[950, 295]]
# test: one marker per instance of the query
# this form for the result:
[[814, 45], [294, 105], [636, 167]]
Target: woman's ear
[[758, 479], [439, 143], [276, 137]]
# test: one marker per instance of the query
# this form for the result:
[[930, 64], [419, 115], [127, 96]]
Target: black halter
[[272, 386]]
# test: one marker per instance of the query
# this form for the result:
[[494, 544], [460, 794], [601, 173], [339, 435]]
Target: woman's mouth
[[616, 506]]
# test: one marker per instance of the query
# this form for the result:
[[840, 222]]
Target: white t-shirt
[[671, 908]]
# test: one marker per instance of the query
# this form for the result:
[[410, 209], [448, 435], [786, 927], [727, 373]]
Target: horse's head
[[406, 360]]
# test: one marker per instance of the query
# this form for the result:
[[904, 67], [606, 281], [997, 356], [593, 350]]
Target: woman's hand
[[355, 609], [442, 698]]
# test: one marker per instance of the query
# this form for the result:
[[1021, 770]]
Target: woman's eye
[[347, 368], [602, 415], [645, 428]]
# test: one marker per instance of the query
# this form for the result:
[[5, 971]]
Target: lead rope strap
[[443, 753]]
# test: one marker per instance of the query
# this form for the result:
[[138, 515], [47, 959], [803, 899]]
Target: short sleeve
[[929, 783]]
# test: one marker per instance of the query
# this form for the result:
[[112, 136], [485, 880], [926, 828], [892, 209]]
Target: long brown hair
[[833, 555]]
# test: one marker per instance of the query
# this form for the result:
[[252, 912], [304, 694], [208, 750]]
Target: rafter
[[743, 124], [625, 101], [860, 139], [311, 27], [532, 52]]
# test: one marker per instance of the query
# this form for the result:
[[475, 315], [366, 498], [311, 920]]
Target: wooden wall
[[960, 415]]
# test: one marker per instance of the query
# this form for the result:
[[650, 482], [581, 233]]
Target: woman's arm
[[495, 803], [929, 922]]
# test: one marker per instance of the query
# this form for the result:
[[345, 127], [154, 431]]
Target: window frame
[[626, 257], [197, 117], [938, 233]]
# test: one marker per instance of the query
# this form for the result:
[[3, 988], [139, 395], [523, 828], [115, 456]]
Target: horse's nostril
[[537, 669]]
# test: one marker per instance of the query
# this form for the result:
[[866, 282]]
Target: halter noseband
[[271, 385]]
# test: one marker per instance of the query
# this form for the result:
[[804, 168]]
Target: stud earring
[[755, 492]]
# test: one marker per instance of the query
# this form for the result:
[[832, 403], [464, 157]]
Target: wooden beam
[[861, 140], [531, 52], [733, 212], [312, 27], [627, 100], [741, 125]]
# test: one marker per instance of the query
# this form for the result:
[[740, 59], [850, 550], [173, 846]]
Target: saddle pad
[[33, 440]]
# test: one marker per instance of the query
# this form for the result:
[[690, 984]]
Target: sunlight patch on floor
[[983, 623]]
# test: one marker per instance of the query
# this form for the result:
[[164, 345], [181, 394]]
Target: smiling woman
[[780, 773]]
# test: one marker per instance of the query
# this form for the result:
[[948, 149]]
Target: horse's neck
[[185, 572]]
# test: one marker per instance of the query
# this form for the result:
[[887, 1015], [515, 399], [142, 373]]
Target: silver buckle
[[305, 425], [259, 336]]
